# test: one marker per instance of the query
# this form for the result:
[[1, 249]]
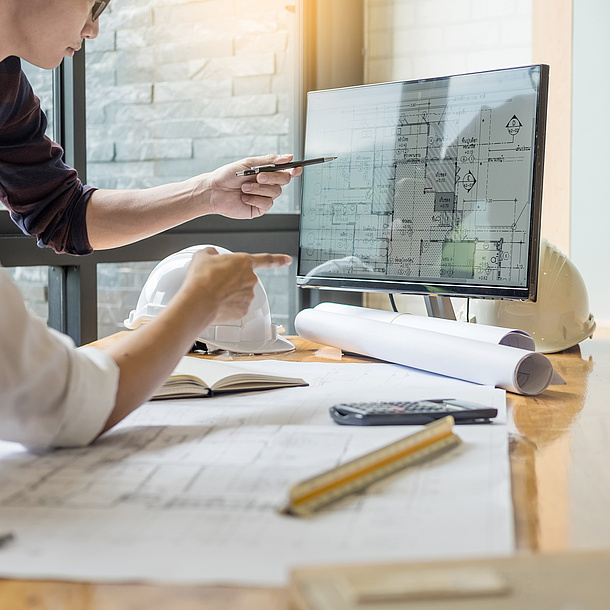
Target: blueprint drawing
[[188, 491], [428, 184]]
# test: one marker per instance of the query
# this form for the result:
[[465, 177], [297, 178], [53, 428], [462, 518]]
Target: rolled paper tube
[[513, 369], [512, 337]]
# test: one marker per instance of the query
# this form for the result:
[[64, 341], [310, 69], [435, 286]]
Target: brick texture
[[409, 39], [176, 88], [190, 85]]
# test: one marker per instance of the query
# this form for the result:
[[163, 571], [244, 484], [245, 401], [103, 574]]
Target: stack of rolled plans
[[477, 353]]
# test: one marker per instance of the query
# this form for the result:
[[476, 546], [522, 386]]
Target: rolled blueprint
[[480, 332], [513, 369]]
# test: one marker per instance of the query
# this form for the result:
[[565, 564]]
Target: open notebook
[[201, 377]]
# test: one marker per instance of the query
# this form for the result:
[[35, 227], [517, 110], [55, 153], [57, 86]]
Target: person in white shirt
[[54, 395], [51, 393]]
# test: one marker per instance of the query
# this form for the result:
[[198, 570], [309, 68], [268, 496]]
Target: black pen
[[276, 168]]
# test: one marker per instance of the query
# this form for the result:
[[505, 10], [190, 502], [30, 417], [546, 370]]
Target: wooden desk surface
[[561, 490]]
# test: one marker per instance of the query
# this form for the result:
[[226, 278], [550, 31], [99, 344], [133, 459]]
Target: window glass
[[33, 283], [178, 88], [280, 286], [118, 289], [119, 286]]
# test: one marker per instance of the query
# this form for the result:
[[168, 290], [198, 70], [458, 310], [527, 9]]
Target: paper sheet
[[514, 369], [187, 491]]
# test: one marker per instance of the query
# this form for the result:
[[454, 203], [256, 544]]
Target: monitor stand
[[439, 307]]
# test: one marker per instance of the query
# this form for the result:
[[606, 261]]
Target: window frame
[[73, 279]]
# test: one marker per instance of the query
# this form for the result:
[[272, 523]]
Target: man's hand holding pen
[[257, 169], [248, 188], [241, 197]]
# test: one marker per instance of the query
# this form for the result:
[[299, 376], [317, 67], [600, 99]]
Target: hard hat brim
[[271, 346]]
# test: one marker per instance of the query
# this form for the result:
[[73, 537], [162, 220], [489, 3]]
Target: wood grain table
[[560, 464]]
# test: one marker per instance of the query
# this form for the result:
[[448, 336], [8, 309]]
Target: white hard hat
[[253, 334], [559, 318]]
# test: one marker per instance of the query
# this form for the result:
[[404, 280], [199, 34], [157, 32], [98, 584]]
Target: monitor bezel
[[426, 287]]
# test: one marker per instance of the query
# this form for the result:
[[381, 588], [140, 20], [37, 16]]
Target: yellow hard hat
[[560, 317]]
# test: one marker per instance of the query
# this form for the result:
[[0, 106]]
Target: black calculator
[[415, 412]]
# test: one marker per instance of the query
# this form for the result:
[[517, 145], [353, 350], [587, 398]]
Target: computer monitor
[[436, 188]]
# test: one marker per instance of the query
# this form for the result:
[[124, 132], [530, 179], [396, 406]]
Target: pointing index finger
[[271, 260]]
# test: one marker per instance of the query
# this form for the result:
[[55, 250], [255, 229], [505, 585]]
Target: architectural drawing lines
[[424, 186]]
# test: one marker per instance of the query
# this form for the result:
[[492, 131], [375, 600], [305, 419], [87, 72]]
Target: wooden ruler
[[314, 493]]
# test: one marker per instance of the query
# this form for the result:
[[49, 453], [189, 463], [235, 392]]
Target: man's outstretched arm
[[119, 217]]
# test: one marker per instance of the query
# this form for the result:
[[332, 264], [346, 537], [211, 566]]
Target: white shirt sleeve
[[51, 393]]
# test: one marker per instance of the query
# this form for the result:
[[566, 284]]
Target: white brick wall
[[423, 38], [170, 79], [176, 88], [179, 87]]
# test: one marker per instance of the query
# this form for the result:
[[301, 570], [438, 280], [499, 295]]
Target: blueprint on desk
[[187, 491]]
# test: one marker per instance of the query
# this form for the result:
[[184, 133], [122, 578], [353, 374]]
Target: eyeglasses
[[98, 8]]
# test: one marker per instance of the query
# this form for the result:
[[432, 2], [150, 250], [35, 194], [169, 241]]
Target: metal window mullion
[[72, 288], [70, 112]]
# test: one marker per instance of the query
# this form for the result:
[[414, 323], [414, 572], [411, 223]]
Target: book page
[[221, 375]]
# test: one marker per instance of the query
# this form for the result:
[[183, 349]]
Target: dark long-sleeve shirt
[[44, 196]]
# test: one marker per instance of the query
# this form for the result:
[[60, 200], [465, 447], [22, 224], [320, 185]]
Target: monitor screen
[[436, 188]]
